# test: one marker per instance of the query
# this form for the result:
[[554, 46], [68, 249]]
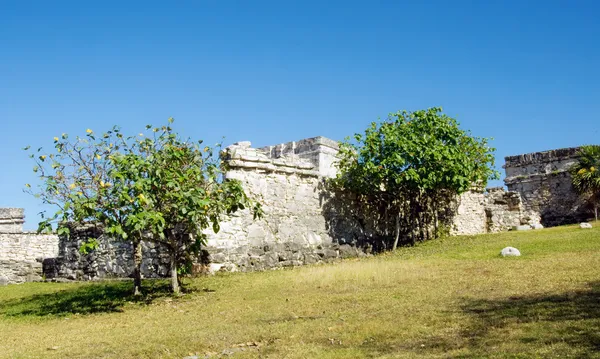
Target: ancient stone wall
[[297, 227], [288, 180], [490, 211], [22, 253], [304, 220], [111, 259], [11, 220], [544, 183]]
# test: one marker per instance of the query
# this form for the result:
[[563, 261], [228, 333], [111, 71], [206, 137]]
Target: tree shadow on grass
[[517, 327], [88, 298], [571, 319]]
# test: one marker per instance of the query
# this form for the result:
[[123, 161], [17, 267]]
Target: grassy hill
[[450, 298]]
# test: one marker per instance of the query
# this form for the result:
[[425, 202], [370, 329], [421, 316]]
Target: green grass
[[450, 298]]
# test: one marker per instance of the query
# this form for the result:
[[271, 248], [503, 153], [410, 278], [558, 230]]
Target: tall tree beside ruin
[[586, 175], [182, 192], [410, 165], [153, 186], [76, 178]]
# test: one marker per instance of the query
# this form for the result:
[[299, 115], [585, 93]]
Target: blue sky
[[524, 72]]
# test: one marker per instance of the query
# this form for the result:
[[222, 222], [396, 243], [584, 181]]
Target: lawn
[[449, 298]]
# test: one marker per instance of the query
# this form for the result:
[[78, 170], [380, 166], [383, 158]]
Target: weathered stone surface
[[510, 252], [11, 220], [215, 267], [22, 253], [490, 211], [524, 227], [305, 221], [537, 226], [544, 183], [585, 225], [347, 251]]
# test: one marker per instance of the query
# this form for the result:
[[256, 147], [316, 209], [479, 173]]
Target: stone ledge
[[235, 156], [532, 177], [313, 144], [539, 157], [270, 167]]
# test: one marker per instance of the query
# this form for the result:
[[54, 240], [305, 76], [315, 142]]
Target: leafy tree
[[76, 178], [408, 166], [586, 175], [180, 186], [154, 187]]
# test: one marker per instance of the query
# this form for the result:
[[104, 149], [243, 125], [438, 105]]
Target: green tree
[[153, 186], [76, 178], [410, 165], [586, 175], [183, 193]]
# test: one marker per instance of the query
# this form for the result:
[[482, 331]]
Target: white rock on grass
[[510, 252], [524, 227], [537, 226], [585, 225], [214, 267]]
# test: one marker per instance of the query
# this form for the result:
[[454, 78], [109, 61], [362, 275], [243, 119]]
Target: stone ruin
[[544, 182], [22, 253], [303, 222]]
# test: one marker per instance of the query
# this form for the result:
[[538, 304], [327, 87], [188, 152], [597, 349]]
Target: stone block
[[313, 238], [310, 258], [510, 252], [270, 259], [256, 251], [330, 253], [347, 251], [524, 227]]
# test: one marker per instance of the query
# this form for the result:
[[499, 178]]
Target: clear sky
[[524, 72]]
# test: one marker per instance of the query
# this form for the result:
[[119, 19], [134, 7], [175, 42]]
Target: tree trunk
[[137, 268], [397, 234], [174, 279], [596, 213], [436, 215]]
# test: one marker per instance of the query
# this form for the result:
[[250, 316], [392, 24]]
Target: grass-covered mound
[[447, 298]]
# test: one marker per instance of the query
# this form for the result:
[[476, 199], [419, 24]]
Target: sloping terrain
[[450, 298]]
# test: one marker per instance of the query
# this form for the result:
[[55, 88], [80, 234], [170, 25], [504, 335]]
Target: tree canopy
[[155, 186], [412, 162]]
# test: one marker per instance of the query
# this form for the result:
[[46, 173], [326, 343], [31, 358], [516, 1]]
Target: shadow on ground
[[569, 323], [570, 320], [101, 297]]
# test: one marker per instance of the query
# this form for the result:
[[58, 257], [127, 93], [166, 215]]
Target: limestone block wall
[[288, 180], [304, 221], [112, 259], [22, 253], [319, 151], [11, 220], [544, 183], [490, 211], [470, 215]]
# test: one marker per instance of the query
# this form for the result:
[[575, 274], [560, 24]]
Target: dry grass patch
[[448, 298]]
